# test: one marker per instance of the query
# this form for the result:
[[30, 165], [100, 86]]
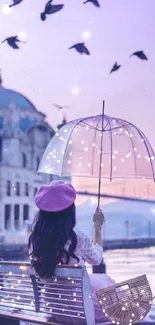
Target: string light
[[86, 35]]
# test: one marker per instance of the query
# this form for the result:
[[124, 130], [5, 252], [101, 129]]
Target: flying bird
[[15, 2], [59, 106], [140, 54], [115, 67], [50, 9], [94, 2], [81, 48], [12, 41]]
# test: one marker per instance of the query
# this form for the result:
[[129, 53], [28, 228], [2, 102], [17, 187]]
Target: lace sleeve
[[91, 254]]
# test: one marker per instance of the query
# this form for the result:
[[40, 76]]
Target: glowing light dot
[[142, 140], [89, 165], [86, 35], [113, 157], [114, 168], [10, 273], [58, 161], [70, 153], [152, 158], [137, 304], [6, 9], [70, 142], [80, 164], [21, 36], [123, 308], [122, 160], [82, 141], [69, 162], [121, 130], [138, 156], [99, 151], [116, 152], [93, 144], [86, 149], [65, 131], [75, 91], [133, 315], [135, 149]]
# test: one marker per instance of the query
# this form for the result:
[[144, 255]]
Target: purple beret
[[56, 196]]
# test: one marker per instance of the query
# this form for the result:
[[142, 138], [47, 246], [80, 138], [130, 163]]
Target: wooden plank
[[31, 320]]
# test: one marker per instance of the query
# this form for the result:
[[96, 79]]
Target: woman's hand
[[98, 218]]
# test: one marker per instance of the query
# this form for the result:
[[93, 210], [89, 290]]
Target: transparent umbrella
[[99, 146]]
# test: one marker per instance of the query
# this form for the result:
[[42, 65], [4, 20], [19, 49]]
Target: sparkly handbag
[[127, 302]]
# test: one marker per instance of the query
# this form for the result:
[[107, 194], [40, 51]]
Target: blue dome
[[8, 96]]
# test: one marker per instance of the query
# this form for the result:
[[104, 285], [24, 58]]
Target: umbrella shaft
[[101, 149]]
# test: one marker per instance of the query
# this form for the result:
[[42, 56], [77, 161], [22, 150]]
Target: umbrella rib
[[96, 129], [117, 127], [90, 126], [74, 126], [132, 149], [142, 134], [147, 148], [111, 142]]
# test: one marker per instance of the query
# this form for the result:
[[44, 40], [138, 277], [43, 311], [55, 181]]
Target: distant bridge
[[18, 252]]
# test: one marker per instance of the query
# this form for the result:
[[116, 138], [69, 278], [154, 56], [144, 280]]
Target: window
[[26, 189], [26, 212], [35, 190], [24, 160], [16, 216], [8, 188], [1, 149], [17, 189], [7, 214], [37, 162]]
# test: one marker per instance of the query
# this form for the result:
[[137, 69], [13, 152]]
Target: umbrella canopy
[[99, 146]]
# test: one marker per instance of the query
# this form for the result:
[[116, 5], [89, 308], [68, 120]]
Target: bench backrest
[[67, 294]]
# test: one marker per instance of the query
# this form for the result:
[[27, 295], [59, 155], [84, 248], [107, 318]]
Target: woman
[[55, 239]]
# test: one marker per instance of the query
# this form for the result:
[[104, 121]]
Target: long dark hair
[[51, 232]]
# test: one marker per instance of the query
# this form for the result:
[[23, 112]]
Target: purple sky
[[46, 72]]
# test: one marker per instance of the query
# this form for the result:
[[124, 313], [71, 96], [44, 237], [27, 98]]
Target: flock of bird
[[81, 48]]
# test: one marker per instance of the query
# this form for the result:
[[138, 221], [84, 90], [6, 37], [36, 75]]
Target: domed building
[[24, 135]]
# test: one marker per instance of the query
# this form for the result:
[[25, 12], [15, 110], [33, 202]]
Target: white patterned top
[[86, 251]]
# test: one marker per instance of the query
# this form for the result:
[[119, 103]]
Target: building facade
[[24, 135]]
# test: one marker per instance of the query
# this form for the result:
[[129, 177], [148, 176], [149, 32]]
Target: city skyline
[[46, 72]]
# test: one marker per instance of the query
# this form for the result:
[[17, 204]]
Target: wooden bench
[[26, 299]]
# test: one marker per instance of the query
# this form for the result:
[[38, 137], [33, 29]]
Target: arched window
[[24, 160], [37, 162], [26, 212], [7, 215], [35, 190], [16, 216], [8, 188], [1, 149], [26, 189], [17, 189]]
